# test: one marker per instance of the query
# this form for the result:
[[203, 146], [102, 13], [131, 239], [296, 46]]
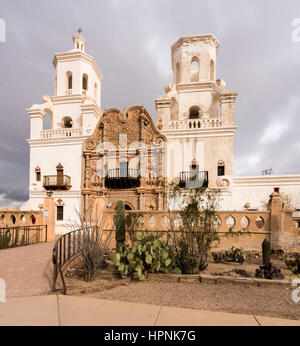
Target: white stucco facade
[[196, 114], [74, 111]]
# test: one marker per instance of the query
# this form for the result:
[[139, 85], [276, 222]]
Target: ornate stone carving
[[224, 181]]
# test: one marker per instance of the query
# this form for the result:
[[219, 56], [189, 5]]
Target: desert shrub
[[149, 253], [233, 255], [133, 224], [268, 271], [194, 238], [292, 262], [5, 238], [93, 250]]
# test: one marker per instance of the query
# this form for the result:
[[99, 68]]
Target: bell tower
[[196, 114], [76, 72], [74, 111], [194, 59]]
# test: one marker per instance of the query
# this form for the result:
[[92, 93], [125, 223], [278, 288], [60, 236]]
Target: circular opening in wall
[[259, 222], [245, 222], [217, 222], [230, 221], [33, 219], [13, 219]]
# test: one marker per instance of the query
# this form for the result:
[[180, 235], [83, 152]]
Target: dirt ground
[[233, 298], [262, 301]]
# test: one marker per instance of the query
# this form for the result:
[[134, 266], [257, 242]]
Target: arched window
[[85, 82], [47, 122], [194, 112], [127, 207], [67, 122], [194, 69], [221, 168], [69, 80]]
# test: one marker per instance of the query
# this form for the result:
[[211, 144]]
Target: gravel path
[[273, 302]]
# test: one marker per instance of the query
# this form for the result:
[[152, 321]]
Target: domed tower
[[197, 114], [56, 145]]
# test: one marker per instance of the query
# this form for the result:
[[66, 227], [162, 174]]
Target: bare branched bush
[[192, 214], [93, 239]]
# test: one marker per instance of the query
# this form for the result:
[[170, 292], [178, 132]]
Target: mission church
[[124, 155]]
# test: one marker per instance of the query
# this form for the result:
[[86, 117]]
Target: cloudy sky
[[131, 40]]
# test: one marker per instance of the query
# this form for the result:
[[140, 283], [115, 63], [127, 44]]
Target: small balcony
[[57, 182], [122, 178], [193, 179]]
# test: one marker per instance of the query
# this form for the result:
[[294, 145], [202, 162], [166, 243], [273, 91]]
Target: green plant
[[120, 224], [92, 245], [195, 236], [148, 254], [292, 261], [266, 250], [17, 237], [5, 238], [233, 255], [133, 224]]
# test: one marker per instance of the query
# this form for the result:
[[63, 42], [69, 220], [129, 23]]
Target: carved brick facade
[[127, 139]]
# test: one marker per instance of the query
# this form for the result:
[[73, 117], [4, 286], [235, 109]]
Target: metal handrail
[[193, 175], [55, 180], [21, 235], [68, 247], [120, 173]]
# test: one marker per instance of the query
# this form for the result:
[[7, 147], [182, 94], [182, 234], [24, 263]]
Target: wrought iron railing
[[122, 178], [57, 182], [68, 247], [22, 235], [123, 173], [194, 179]]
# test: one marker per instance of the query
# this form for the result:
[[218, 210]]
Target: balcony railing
[[195, 124], [57, 182], [61, 133], [122, 178], [193, 179]]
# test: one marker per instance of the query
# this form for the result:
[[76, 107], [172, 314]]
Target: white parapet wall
[[256, 190]]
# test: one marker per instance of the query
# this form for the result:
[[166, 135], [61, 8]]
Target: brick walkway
[[27, 270]]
